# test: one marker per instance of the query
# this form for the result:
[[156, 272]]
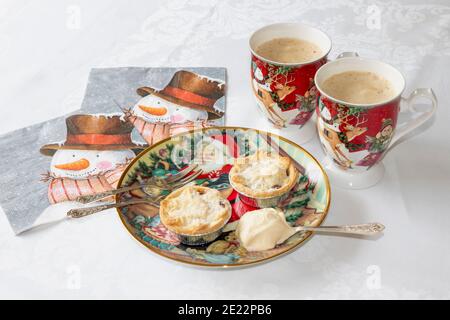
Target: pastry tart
[[194, 210], [263, 175]]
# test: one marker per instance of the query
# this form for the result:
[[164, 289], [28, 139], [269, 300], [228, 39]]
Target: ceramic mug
[[356, 137], [285, 92]]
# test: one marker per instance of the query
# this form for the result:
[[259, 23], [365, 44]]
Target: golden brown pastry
[[195, 210], [263, 175]]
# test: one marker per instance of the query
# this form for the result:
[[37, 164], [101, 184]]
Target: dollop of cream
[[263, 229]]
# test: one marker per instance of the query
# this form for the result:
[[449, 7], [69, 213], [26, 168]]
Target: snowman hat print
[[95, 132], [191, 90]]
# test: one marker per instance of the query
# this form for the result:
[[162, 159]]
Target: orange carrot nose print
[[154, 111], [74, 166]]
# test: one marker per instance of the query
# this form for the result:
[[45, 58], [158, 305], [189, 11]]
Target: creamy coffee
[[289, 50], [359, 87]]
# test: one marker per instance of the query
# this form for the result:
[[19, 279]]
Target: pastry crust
[[263, 175], [194, 210]]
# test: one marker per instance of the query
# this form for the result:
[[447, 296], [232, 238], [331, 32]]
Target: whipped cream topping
[[265, 174], [196, 208], [263, 229]]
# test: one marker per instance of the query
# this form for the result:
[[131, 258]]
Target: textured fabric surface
[[47, 49]]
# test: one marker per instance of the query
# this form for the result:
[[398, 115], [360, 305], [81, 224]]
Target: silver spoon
[[366, 229]]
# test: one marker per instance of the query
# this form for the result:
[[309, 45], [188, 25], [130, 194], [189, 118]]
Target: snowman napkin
[[124, 110]]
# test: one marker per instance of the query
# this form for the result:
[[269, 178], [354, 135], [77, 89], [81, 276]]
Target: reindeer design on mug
[[336, 134], [269, 104], [334, 141], [263, 93]]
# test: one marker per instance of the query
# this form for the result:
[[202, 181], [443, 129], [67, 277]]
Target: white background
[[46, 51]]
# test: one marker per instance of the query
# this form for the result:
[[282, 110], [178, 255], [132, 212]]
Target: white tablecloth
[[46, 51]]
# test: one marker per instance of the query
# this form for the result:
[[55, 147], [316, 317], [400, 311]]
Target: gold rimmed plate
[[215, 150]]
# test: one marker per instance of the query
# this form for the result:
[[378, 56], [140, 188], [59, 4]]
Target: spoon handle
[[82, 212], [367, 229], [102, 195]]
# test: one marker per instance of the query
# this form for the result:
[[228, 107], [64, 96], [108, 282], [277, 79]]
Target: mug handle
[[407, 106], [347, 54]]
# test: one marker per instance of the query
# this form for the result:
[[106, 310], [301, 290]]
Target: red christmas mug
[[285, 92], [356, 137]]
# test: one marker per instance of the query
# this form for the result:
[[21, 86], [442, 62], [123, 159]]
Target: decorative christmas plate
[[215, 150]]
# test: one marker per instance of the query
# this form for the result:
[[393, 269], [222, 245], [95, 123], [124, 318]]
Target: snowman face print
[[155, 109], [81, 164]]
